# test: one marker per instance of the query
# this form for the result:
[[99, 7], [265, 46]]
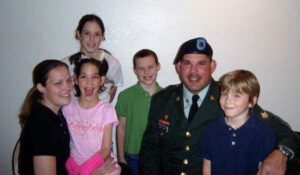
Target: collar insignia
[[212, 98], [264, 114], [178, 98]]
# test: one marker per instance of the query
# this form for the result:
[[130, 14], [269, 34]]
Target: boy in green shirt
[[133, 107]]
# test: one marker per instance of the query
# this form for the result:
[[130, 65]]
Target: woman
[[44, 141]]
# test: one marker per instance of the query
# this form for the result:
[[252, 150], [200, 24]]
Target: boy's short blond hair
[[240, 81]]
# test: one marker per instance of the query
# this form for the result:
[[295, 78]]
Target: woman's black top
[[44, 134]]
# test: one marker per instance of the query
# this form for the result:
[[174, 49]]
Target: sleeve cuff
[[286, 151]]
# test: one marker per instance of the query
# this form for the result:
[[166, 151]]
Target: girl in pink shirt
[[90, 121]]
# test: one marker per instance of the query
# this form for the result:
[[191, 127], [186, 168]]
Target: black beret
[[196, 45]]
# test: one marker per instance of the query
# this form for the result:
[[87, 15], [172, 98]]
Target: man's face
[[195, 71]]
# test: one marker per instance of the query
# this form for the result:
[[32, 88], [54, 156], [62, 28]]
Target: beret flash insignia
[[201, 44]]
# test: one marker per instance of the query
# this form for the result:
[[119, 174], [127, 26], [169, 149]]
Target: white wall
[[260, 35]]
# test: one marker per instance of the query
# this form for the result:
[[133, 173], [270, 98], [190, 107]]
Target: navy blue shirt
[[44, 133], [236, 152]]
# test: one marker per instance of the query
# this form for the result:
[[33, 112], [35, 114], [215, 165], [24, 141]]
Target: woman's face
[[56, 92], [90, 37]]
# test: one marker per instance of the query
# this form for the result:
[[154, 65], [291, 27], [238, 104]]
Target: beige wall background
[[262, 36]]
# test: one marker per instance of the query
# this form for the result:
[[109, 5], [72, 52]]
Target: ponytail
[[32, 96], [104, 67], [75, 58]]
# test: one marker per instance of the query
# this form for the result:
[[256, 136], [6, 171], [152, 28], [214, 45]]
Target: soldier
[[179, 113]]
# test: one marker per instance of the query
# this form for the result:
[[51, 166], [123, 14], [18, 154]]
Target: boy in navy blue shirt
[[238, 141]]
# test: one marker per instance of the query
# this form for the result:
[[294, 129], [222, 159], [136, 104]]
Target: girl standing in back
[[90, 32]]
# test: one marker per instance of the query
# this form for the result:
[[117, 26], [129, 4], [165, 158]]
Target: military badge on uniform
[[264, 114], [178, 98], [164, 120], [212, 98], [201, 44], [164, 123]]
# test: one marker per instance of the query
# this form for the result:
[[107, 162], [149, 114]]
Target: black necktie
[[193, 108]]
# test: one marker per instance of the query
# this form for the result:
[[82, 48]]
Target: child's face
[[90, 37], [146, 70], [235, 105], [89, 81], [56, 92]]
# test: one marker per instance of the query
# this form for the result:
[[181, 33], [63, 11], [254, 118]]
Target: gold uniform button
[[185, 161], [182, 173], [188, 134], [187, 147]]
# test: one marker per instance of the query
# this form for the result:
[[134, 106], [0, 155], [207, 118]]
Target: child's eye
[[236, 95], [224, 94], [96, 77], [82, 77]]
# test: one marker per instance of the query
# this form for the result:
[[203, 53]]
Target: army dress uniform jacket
[[170, 142]]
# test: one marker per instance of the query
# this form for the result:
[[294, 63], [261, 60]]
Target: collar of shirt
[[142, 91], [250, 123], [187, 99], [101, 56]]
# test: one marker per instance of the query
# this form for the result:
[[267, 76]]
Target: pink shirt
[[86, 128]]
